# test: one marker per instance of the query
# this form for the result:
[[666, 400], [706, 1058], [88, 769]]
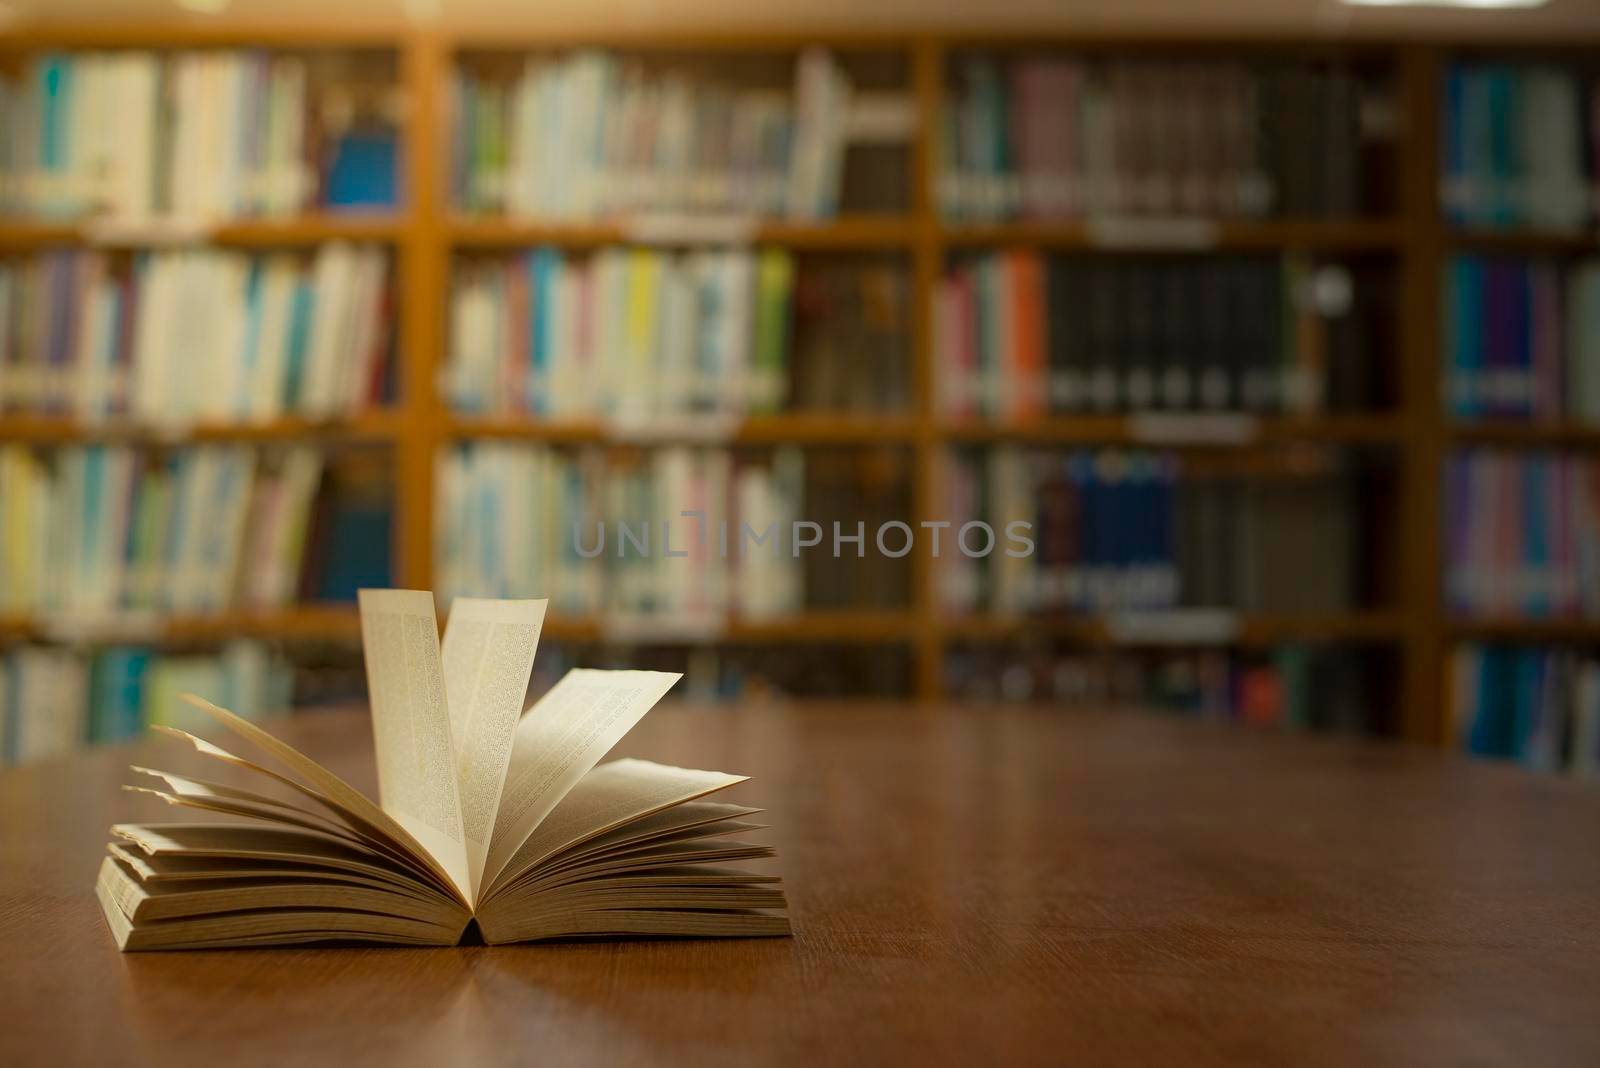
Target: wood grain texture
[[968, 886]]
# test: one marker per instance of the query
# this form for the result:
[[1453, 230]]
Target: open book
[[484, 813]]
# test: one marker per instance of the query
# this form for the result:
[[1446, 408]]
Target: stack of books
[[203, 135], [1538, 706], [53, 700], [96, 532], [1020, 335], [1053, 137], [592, 135], [1116, 531], [1291, 686], [1523, 534], [1522, 339], [1520, 147], [178, 337]]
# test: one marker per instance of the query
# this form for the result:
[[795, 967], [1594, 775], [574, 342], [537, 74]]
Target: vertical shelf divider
[[1422, 712], [423, 256], [927, 75]]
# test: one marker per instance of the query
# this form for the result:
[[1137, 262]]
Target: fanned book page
[[484, 812]]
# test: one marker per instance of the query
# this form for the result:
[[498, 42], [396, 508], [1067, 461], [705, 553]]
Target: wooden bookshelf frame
[[427, 232]]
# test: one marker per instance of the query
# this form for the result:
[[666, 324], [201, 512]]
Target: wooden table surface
[[968, 886]]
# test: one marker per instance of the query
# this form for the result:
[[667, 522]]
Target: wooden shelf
[[849, 233], [1526, 435], [797, 428], [1521, 241], [381, 426], [303, 623], [21, 235], [1135, 234], [821, 626], [1251, 630], [1126, 430], [1532, 631], [174, 33]]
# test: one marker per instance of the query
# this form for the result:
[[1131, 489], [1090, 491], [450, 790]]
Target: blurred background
[[1279, 324]]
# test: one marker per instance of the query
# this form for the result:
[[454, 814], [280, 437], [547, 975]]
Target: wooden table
[[968, 886]]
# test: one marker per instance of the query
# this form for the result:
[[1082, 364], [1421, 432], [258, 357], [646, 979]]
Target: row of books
[[1020, 335], [1122, 530], [54, 700], [1538, 706], [637, 334], [631, 333], [204, 135], [100, 533], [692, 535], [177, 337], [1052, 137], [1522, 339], [1521, 145], [1290, 686], [596, 536], [591, 135], [1522, 534]]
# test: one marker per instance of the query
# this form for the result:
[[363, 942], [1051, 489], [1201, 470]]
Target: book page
[[560, 739], [325, 785], [609, 796], [488, 657], [411, 726]]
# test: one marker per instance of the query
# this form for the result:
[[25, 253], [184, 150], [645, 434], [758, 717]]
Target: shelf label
[[91, 628], [1193, 428], [153, 231], [1179, 626], [881, 118], [672, 629], [1175, 232], [690, 229], [711, 428]]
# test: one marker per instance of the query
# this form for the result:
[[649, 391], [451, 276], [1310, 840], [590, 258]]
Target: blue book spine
[[252, 331], [1536, 486], [1519, 332], [1503, 168], [1529, 699], [1453, 148], [542, 296], [300, 310]]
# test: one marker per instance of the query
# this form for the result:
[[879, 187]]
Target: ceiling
[[1309, 17]]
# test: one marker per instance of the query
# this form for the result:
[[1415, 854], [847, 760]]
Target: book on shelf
[[595, 135], [106, 531], [1519, 145], [1522, 339], [637, 336], [515, 519], [1537, 706], [203, 135], [484, 814], [1133, 531], [172, 338], [1056, 137], [1292, 686], [55, 699], [1522, 534], [1019, 336]]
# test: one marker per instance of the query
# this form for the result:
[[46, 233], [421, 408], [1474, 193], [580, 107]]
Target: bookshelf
[[427, 234]]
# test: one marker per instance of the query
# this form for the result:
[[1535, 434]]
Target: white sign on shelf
[[673, 629], [670, 229], [1178, 626], [1193, 428], [1166, 232], [152, 231]]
